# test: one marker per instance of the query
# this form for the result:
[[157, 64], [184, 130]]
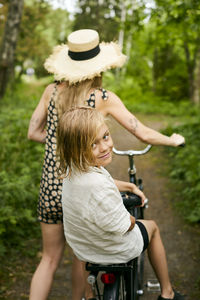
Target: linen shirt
[[96, 220]]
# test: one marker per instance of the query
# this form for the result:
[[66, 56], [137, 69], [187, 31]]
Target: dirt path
[[181, 241]]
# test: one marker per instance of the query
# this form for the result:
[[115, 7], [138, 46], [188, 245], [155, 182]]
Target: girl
[[77, 68], [97, 226]]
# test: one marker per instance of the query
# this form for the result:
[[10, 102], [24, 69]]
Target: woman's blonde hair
[[76, 132], [72, 95]]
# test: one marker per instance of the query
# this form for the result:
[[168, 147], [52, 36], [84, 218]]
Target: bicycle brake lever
[[146, 203]]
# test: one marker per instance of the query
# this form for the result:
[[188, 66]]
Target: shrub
[[21, 167], [185, 170]]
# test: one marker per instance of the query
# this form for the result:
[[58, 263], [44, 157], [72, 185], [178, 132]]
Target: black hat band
[[85, 54]]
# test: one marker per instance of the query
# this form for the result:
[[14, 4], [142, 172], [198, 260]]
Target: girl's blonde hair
[[76, 132], [75, 94]]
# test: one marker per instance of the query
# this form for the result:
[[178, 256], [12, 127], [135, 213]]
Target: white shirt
[[96, 220]]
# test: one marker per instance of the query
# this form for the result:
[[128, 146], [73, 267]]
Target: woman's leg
[[53, 247], [157, 257]]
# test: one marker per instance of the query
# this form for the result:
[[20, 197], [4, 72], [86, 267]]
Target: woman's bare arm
[[36, 130], [114, 107]]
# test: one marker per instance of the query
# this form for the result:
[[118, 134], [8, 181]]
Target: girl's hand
[[124, 186], [177, 139], [138, 192]]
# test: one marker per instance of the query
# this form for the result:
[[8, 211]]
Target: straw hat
[[83, 57]]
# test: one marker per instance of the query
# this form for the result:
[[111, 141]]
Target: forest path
[[180, 240]]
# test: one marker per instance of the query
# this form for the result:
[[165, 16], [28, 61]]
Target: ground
[[180, 239]]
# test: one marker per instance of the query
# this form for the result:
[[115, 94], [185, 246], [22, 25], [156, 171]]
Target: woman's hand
[[177, 139]]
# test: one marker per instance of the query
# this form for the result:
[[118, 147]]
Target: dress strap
[[53, 96], [91, 100]]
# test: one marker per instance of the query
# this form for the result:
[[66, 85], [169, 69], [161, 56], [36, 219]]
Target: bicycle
[[123, 281]]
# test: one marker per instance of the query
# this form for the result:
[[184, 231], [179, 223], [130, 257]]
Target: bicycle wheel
[[140, 271], [111, 291], [135, 279], [122, 289]]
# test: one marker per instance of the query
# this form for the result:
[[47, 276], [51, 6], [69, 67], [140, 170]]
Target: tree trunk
[[123, 19], [190, 68], [9, 42], [196, 93], [155, 70]]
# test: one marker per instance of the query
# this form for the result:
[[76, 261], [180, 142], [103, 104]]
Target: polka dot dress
[[49, 204], [91, 100]]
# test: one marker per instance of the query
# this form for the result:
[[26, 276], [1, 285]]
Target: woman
[[77, 68]]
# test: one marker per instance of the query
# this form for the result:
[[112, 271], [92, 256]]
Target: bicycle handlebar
[[132, 152]]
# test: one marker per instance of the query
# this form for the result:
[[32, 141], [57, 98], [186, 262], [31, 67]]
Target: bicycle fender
[[111, 291]]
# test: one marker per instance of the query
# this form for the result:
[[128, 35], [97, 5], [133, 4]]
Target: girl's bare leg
[[157, 257], [79, 279], [53, 247]]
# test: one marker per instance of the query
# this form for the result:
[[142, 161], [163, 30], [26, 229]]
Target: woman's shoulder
[[104, 94], [50, 88]]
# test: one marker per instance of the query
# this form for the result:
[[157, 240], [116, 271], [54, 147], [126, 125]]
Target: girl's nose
[[103, 146]]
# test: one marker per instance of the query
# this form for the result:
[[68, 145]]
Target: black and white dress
[[49, 204]]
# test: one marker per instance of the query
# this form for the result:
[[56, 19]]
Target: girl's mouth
[[105, 155]]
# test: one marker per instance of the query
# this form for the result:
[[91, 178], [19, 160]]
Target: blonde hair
[[75, 94], [76, 132]]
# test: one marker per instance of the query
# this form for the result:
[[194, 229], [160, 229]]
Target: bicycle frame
[[129, 272]]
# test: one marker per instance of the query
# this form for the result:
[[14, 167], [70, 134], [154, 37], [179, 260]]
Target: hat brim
[[64, 68]]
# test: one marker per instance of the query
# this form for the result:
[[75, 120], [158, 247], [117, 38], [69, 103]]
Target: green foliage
[[95, 14], [137, 100], [42, 28], [185, 170], [21, 167], [178, 46]]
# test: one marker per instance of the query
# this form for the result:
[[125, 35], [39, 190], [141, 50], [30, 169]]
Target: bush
[[132, 95], [185, 170], [21, 167]]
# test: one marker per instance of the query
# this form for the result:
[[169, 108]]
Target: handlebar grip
[[131, 200], [182, 145]]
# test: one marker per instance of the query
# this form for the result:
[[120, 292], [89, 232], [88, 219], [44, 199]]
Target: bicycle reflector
[[108, 278]]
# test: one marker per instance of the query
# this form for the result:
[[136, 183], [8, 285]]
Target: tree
[[180, 23], [42, 27], [9, 43], [101, 15]]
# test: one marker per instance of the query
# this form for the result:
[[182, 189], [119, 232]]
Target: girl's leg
[[53, 247], [157, 257], [79, 279]]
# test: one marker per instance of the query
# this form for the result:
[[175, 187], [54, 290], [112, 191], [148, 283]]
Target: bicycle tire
[[140, 271], [135, 280], [122, 288]]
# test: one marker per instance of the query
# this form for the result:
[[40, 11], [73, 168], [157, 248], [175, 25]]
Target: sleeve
[[107, 210]]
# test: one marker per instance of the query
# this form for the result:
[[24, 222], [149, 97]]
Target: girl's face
[[102, 147]]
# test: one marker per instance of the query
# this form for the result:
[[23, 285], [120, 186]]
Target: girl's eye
[[93, 145], [106, 136]]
